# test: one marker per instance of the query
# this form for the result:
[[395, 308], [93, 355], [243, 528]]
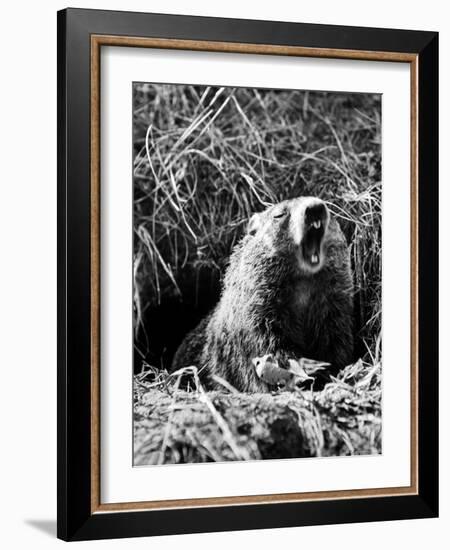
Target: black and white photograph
[[256, 273]]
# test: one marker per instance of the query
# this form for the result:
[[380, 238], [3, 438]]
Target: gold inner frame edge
[[97, 41]]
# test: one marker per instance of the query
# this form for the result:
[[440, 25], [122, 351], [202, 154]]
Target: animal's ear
[[254, 224]]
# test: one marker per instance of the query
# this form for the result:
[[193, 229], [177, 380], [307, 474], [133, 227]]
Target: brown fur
[[276, 301]]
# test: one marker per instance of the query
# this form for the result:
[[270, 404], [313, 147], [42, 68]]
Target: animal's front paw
[[288, 373], [269, 371]]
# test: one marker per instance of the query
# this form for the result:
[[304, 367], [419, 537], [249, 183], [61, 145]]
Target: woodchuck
[[287, 291]]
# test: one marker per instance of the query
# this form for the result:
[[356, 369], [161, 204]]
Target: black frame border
[[75, 520]]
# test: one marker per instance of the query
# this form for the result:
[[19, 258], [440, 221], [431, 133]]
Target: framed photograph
[[247, 255]]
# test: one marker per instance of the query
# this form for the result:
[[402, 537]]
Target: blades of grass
[[181, 210], [241, 453], [150, 245]]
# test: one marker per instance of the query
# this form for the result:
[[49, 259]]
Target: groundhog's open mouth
[[311, 243]]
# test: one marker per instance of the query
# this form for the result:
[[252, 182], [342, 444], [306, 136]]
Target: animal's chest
[[303, 314], [302, 297]]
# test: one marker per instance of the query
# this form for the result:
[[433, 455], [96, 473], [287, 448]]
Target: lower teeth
[[314, 258]]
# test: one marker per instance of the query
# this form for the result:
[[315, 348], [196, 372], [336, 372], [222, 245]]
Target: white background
[[28, 272], [119, 481]]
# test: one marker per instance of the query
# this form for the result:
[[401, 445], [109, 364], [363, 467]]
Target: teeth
[[316, 224], [314, 259]]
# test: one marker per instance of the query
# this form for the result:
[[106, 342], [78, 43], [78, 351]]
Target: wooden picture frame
[[81, 35]]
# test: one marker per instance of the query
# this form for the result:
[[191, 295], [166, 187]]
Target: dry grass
[[205, 159]]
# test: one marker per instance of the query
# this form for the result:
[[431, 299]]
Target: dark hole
[[166, 324]]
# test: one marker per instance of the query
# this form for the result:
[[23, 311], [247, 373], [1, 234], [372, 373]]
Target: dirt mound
[[178, 426]]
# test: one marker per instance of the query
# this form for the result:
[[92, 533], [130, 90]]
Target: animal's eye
[[279, 215]]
